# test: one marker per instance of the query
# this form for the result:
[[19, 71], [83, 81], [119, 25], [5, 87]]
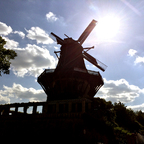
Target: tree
[[140, 117], [5, 56], [125, 118]]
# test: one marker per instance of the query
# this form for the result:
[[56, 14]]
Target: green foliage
[[104, 110], [125, 117], [115, 121], [140, 117], [5, 56], [121, 135]]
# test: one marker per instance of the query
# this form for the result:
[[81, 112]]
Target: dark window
[[86, 107], [73, 107], [61, 108], [51, 108], [66, 108], [79, 107]]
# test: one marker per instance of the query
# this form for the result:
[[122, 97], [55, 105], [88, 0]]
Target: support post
[[89, 106], [69, 107], [16, 109], [57, 107], [83, 106]]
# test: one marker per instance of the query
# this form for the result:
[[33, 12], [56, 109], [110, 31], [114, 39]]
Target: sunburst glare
[[107, 27]]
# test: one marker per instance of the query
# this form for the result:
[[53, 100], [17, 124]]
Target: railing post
[[25, 109], [16, 109], [34, 109]]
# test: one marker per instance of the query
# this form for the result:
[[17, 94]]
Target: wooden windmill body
[[71, 79]]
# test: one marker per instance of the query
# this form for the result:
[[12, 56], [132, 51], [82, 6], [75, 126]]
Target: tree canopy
[[5, 56], [114, 122]]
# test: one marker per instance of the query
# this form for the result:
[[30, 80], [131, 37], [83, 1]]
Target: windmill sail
[[56, 38], [94, 61], [87, 31], [81, 39]]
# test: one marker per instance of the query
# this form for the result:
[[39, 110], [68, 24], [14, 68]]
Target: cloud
[[51, 17], [56, 48], [137, 107], [10, 44], [32, 60], [4, 99], [4, 29], [139, 60], [38, 34], [17, 91], [21, 34], [132, 52], [119, 90]]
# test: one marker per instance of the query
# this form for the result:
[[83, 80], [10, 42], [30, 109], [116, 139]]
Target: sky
[[118, 39]]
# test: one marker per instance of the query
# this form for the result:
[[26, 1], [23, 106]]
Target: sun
[[107, 27]]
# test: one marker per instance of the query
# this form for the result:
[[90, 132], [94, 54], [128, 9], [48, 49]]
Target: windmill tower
[[70, 79]]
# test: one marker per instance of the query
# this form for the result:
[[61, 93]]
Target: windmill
[[71, 79]]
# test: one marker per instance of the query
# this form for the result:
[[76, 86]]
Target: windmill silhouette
[[71, 79]]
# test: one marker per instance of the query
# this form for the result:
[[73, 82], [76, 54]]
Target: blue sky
[[118, 39]]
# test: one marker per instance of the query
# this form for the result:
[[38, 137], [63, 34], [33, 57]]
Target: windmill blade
[[87, 31], [94, 61], [56, 38]]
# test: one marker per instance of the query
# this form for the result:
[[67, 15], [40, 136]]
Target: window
[[39, 109], [61, 108], [20, 109], [51, 108], [73, 107], [12, 109], [66, 108], [30, 110], [79, 107], [86, 107]]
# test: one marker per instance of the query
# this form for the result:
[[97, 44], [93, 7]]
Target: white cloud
[[119, 90], [20, 33], [10, 44], [139, 60], [4, 29], [32, 60], [137, 107], [38, 34], [17, 91], [56, 48], [51, 17], [132, 52], [4, 99]]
